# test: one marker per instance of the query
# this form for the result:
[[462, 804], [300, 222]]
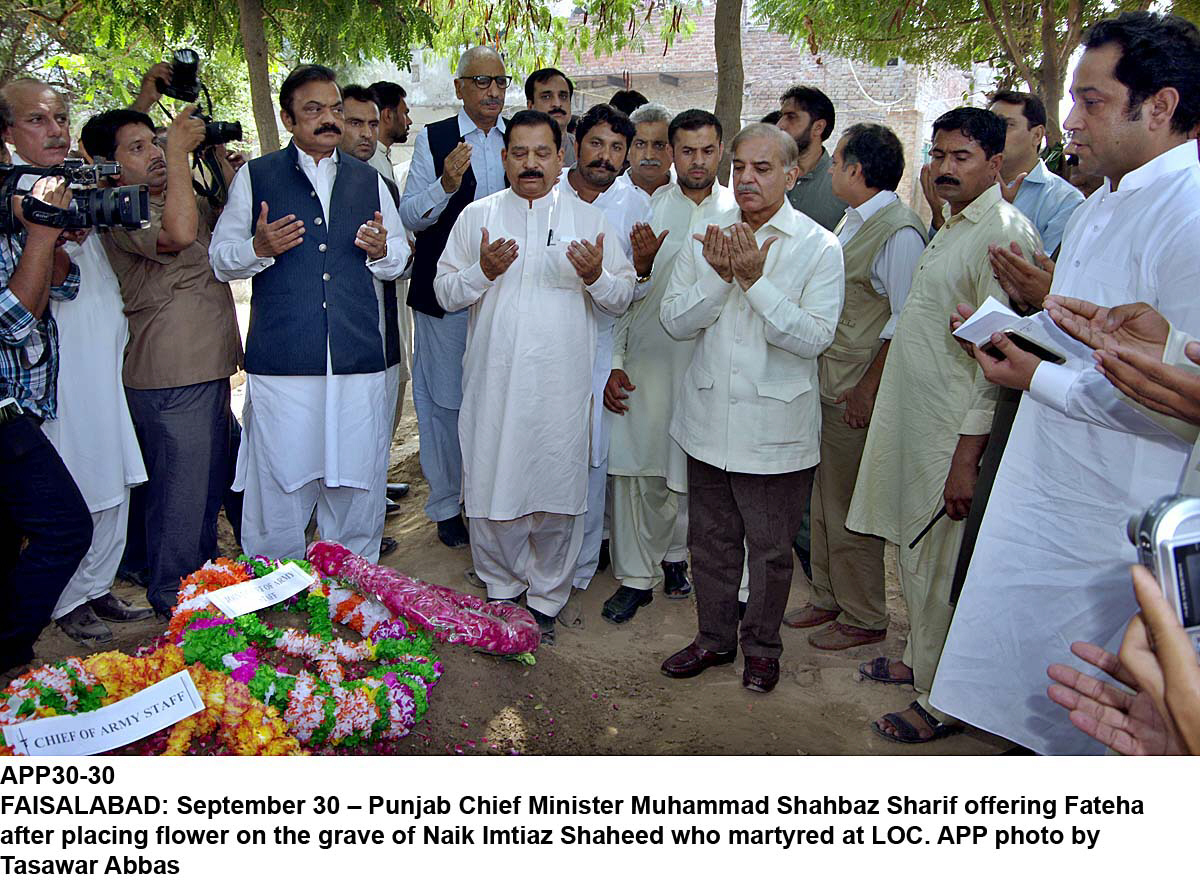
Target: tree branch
[[1014, 53]]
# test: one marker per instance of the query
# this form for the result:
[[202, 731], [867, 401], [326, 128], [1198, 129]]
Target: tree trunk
[[731, 79], [254, 40], [1051, 93]]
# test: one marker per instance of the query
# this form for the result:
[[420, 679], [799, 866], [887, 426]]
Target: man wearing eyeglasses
[[455, 162]]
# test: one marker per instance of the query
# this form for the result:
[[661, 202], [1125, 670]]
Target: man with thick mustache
[[550, 91], [314, 228], [92, 429], [183, 344], [650, 153], [934, 409], [535, 267], [455, 161], [604, 135]]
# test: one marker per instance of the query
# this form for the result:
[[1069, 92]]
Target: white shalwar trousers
[[95, 574], [649, 528], [534, 554], [274, 520], [593, 526]]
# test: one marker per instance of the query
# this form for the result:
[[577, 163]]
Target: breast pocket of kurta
[[557, 270], [784, 410]]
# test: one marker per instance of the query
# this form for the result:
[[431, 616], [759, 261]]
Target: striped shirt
[[28, 345]]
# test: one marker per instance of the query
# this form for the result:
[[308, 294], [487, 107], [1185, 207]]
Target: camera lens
[[127, 207], [222, 133]]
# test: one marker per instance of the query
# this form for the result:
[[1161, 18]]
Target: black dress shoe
[[545, 624], [761, 674], [138, 578], [675, 580], [604, 561], [693, 660], [387, 546], [453, 532], [624, 603], [392, 507], [117, 610], [397, 490]]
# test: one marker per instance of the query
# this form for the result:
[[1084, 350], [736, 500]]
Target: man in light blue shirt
[[1046, 199], [455, 162]]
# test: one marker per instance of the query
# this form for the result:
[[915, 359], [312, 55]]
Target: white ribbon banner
[[160, 705], [245, 598]]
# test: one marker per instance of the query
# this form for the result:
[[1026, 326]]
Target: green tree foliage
[[1026, 40]]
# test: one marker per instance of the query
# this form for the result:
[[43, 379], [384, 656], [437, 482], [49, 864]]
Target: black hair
[[541, 75], [533, 118], [605, 113], [772, 118], [691, 120], [6, 117], [305, 73], [628, 100], [359, 93], [1157, 51], [99, 134], [1031, 106], [387, 94], [985, 128], [878, 151], [813, 102]]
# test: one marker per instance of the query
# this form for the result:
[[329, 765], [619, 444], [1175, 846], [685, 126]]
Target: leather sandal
[[906, 733], [879, 670]]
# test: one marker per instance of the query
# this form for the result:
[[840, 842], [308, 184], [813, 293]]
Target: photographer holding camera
[[39, 501], [183, 342], [91, 430]]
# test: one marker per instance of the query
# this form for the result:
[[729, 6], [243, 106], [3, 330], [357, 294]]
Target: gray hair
[[788, 150], [650, 113], [475, 53]]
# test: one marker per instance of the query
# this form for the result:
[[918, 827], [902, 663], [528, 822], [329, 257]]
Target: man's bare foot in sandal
[[912, 725], [886, 671]]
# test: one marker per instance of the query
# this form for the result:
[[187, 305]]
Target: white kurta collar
[[1174, 160], [466, 125]]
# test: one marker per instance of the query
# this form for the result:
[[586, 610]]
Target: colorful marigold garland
[[319, 704], [240, 723], [250, 703]]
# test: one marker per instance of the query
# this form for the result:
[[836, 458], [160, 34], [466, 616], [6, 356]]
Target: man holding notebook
[[934, 409]]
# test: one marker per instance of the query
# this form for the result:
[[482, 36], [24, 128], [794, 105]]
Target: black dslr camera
[[91, 205], [186, 85]]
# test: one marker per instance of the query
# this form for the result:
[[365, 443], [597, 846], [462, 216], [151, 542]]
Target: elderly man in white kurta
[[934, 410], [316, 413], [1081, 460], [525, 424], [596, 179], [762, 300], [647, 466]]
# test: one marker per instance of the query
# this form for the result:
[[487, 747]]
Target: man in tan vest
[[882, 240]]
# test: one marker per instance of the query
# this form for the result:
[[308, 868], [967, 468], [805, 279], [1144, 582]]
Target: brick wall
[[900, 96]]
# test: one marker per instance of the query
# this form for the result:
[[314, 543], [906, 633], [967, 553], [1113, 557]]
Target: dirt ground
[[599, 690]]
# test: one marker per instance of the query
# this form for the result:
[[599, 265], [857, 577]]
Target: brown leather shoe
[[809, 615], [761, 674], [693, 660], [838, 637]]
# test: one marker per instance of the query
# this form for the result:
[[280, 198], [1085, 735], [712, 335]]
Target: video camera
[[91, 205], [186, 85], [1167, 537]]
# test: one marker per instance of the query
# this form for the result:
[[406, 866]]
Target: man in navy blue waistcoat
[[314, 227]]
